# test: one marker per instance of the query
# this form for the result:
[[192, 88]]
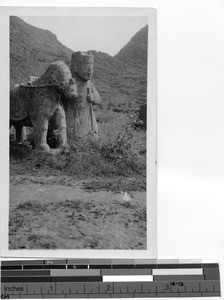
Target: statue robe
[[81, 120]]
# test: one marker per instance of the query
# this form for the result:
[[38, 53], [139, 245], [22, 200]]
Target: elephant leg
[[12, 132], [24, 135], [60, 120], [18, 129], [40, 134]]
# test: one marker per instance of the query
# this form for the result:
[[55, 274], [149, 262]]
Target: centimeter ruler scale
[[108, 278]]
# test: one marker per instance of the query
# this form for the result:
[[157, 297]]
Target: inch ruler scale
[[106, 278]]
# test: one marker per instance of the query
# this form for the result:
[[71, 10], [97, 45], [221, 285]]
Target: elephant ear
[[61, 85]]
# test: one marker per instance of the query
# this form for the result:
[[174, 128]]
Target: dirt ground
[[91, 198], [56, 216]]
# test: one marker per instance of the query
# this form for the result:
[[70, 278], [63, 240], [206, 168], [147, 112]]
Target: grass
[[117, 161], [118, 184]]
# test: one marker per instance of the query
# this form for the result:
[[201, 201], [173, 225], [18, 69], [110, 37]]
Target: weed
[[109, 156], [118, 184]]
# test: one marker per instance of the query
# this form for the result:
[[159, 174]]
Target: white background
[[190, 107]]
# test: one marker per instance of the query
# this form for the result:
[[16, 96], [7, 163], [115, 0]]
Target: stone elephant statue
[[42, 100]]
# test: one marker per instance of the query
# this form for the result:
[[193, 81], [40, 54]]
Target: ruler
[[106, 278]]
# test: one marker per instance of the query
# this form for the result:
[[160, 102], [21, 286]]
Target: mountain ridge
[[121, 83], [134, 53]]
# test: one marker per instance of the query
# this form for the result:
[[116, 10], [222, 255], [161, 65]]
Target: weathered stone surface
[[34, 105], [81, 120]]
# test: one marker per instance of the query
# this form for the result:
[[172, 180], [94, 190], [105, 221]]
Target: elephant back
[[18, 103], [56, 73]]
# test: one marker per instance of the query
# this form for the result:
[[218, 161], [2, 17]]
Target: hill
[[123, 88], [32, 49], [134, 53], [121, 82]]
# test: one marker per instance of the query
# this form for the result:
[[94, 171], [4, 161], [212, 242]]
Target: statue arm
[[96, 96]]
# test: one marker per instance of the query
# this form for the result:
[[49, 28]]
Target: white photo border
[[151, 251]]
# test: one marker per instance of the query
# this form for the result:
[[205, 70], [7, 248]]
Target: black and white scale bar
[[115, 278], [126, 266], [83, 278], [111, 289], [206, 273], [33, 279], [113, 263]]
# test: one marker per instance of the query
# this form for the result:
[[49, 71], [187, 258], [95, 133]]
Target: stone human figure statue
[[81, 120]]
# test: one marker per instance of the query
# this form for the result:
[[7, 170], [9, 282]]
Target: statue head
[[82, 64]]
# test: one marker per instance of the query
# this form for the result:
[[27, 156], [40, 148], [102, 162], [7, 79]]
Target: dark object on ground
[[141, 121]]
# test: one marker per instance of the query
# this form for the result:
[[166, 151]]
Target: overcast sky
[[107, 34]]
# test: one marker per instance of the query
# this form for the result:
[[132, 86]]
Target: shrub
[[110, 155]]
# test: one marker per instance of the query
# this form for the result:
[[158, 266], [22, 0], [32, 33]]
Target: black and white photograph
[[82, 162], [111, 137]]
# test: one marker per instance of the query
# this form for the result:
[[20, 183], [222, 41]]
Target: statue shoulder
[[94, 92], [91, 85]]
